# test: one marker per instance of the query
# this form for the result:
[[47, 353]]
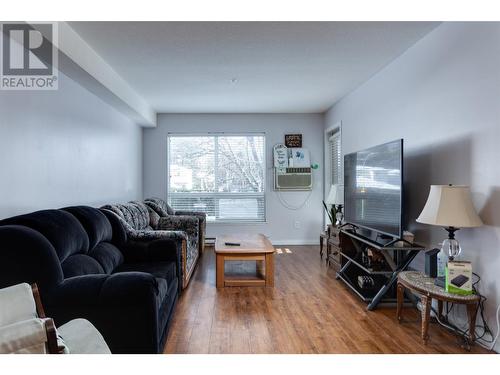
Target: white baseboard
[[282, 242], [295, 242]]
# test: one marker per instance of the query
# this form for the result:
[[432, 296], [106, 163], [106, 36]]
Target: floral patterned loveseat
[[163, 209], [143, 224]]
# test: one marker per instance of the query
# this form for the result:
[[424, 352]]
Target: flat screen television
[[373, 188]]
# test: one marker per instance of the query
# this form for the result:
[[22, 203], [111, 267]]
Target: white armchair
[[24, 329]]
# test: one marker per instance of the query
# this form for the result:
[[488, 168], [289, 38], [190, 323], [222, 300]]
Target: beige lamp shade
[[450, 206], [336, 195]]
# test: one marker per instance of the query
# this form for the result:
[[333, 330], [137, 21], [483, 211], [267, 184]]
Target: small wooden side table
[[323, 237], [333, 256], [424, 286], [331, 238]]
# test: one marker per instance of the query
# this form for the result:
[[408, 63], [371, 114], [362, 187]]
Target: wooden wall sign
[[293, 140]]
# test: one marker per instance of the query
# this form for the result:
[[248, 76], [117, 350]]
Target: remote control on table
[[231, 244]]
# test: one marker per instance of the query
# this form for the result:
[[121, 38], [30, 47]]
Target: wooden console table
[[424, 286]]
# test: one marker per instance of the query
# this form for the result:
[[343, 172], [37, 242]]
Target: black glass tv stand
[[394, 256]]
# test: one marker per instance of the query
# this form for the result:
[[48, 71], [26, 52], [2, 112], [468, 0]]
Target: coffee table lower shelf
[[244, 248], [226, 280], [238, 280]]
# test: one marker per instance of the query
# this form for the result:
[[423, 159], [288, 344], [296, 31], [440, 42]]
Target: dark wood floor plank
[[308, 311]]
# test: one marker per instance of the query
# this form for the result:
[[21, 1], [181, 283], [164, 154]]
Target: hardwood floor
[[307, 311]]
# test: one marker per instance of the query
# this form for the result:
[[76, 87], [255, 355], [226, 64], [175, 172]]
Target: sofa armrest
[[138, 238], [187, 224], [202, 216], [120, 289], [124, 307], [190, 213], [150, 235]]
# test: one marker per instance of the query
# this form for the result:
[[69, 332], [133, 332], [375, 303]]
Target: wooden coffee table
[[253, 247]]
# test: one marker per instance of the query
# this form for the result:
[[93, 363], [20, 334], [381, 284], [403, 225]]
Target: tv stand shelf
[[371, 271], [390, 246], [384, 275], [365, 295]]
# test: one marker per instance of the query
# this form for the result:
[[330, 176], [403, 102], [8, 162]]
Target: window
[[335, 158], [221, 175]]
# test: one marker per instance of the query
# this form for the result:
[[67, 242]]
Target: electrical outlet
[[296, 224]]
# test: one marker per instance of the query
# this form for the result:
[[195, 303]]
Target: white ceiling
[[279, 67]]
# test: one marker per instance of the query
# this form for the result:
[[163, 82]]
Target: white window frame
[[217, 195]]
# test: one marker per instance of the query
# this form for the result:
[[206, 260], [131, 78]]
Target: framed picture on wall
[[293, 140]]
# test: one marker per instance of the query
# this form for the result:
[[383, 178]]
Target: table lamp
[[451, 207], [336, 199]]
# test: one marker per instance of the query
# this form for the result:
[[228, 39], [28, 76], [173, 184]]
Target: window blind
[[221, 175], [336, 158]]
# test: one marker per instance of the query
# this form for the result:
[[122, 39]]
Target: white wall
[[442, 96], [65, 147], [280, 221]]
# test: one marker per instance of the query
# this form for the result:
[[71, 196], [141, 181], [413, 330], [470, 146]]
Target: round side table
[[424, 286]]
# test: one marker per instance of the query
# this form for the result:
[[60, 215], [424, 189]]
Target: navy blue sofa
[[86, 267]]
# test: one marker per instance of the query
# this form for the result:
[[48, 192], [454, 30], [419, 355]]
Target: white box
[[459, 277]]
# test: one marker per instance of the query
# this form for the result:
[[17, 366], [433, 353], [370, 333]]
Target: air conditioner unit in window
[[292, 179]]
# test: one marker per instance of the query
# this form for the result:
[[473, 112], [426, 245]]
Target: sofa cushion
[[122, 212], [62, 229], [119, 238], [154, 218], [141, 214], [162, 270], [100, 232], [161, 207], [134, 214], [107, 255], [131, 215], [80, 264], [95, 223]]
